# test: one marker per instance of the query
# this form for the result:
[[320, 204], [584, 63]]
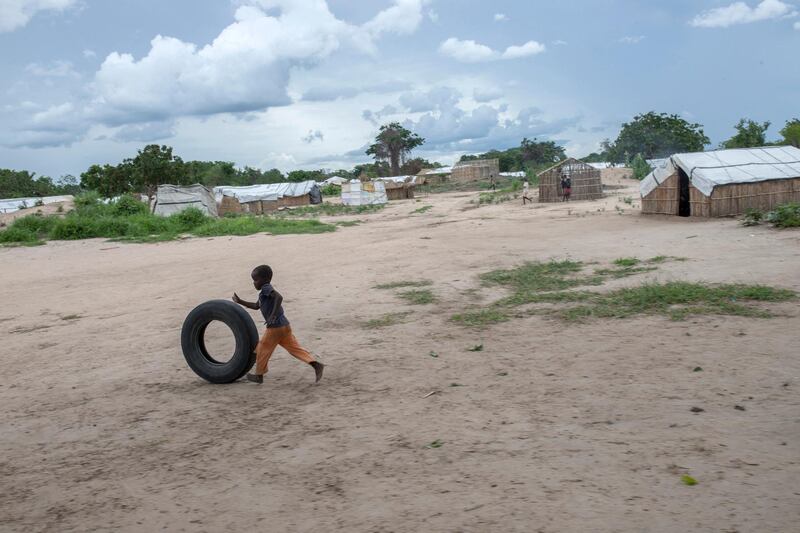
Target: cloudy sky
[[306, 83]]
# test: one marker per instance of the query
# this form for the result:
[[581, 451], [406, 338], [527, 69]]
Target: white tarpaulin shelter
[[367, 193], [334, 180], [270, 192], [15, 204], [411, 180], [434, 171], [518, 174], [172, 199], [707, 170]]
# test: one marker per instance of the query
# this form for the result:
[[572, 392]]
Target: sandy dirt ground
[[49, 209], [555, 427]]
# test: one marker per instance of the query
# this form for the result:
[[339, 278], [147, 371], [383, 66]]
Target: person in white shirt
[[526, 192]]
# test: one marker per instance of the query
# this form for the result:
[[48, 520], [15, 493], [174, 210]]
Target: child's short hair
[[263, 272]]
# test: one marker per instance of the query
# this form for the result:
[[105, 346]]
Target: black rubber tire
[[193, 341]]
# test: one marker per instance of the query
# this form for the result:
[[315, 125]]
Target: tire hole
[[219, 342]]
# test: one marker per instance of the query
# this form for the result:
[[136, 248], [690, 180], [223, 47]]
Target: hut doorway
[[684, 206]]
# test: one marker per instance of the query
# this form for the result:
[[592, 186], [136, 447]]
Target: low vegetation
[[389, 319], [550, 287], [423, 209], [418, 296], [404, 284], [325, 209], [783, 216], [128, 219]]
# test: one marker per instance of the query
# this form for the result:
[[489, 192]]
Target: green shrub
[[752, 217], [785, 216], [188, 219], [87, 199], [331, 190], [36, 224], [128, 205], [17, 235], [640, 167], [73, 228]]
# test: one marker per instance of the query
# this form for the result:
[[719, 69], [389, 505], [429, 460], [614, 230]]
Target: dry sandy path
[[556, 428]]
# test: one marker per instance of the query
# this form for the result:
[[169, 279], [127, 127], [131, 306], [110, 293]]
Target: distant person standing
[[566, 188], [526, 192], [492, 182]]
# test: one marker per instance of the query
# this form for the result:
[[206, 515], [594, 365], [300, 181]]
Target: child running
[[278, 331]]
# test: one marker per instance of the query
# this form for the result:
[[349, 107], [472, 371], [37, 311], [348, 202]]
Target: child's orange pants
[[274, 337]]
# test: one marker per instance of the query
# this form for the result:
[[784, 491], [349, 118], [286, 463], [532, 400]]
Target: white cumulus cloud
[[469, 51], [531, 48], [246, 68], [741, 13], [15, 14], [797, 26], [500, 17], [631, 39]]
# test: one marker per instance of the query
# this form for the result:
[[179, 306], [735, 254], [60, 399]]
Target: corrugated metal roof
[[707, 170]]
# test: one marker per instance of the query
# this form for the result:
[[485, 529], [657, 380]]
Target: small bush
[[128, 205], [36, 224], [331, 190], [87, 199], [640, 167], [18, 235], [188, 219], [73, 228], [752, 217], [785, 216]]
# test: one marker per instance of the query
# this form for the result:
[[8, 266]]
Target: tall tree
[[656, 135], [537, 153], [749, 133], [791, 132], [155, 165], [393, 143]]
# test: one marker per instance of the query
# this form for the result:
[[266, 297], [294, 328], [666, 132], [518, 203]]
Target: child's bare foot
[[318, 368], [255, 378]]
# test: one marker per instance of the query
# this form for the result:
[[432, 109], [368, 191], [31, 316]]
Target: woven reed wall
[[735, 199], [477, 170], [586, 182], [725, 200], [400, 193]]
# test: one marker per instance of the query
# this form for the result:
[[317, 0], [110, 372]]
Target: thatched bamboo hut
[[264, 198], [723, 182], [475, 170], [586, 182]]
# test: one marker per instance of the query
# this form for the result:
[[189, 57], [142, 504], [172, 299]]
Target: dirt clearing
[[549, 426]]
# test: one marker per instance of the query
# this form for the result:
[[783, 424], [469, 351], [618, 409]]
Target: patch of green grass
[[404, 284], [627, 261], [325, 209], [128, 219], [435, 444], [389, 319], [537, 277], [418, 296], [348, 223], [622, 272], [677, 300], [782, 216], [476, 348], [423, 209], [688, 480], [483, 317]]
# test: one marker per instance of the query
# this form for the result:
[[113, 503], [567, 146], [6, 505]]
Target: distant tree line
[[24, 184], [530, 154], [656, 135]]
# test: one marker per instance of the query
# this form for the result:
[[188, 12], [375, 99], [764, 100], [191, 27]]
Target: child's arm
[[278, 300], [250, 305]]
